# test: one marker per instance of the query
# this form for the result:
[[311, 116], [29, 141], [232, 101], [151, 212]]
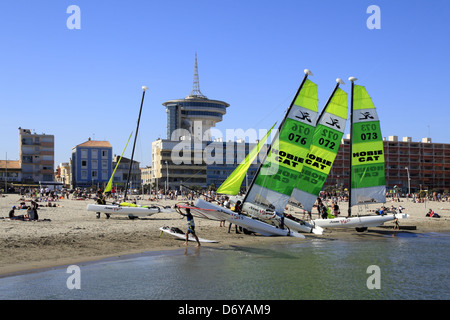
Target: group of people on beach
[[31, 212]]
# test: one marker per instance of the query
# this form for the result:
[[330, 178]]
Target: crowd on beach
[[46, 194], [326, 206]]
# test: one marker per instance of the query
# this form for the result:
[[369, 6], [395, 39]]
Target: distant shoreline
[[74, 235]]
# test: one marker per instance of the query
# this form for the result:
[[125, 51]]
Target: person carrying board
[[191, 225]]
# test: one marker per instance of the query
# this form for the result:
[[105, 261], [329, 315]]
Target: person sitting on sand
[[432, 214], [13, 216], [381, 211], [191, 225], [32, 214]]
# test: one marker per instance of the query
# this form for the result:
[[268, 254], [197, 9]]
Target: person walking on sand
[[191, 225], [396, 225]]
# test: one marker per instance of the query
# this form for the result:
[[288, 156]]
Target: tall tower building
[[196, 114]]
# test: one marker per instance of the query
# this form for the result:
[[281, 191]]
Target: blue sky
[[77, 84]]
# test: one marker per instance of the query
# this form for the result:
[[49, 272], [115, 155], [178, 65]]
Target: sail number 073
[[369, 136]]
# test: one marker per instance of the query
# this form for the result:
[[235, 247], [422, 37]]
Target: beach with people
[[66, 233]]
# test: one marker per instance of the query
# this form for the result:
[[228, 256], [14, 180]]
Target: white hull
[[358, 222], [299, 226], [183, 236], [216, 212], [302, 226], [123, 210]]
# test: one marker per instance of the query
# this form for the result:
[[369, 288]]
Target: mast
[[144, 88], [307, 73], [325, 144], [352, 80], [338, 82]]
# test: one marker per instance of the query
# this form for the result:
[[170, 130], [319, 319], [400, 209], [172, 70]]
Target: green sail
[[109, 185], [368, 183], [274, 182], [324, 148], [232, 184]]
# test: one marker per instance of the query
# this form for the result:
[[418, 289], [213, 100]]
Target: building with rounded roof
[[193, 116]]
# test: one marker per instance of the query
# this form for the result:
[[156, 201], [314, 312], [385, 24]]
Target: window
[[94, 154], [104, 154], [94, 164], [94, 174], [27, 159], [84, 174], [104, 164], [104, 174], [84, 164], [84, 154]]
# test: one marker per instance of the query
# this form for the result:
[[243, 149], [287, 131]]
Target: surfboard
[[179, 234]]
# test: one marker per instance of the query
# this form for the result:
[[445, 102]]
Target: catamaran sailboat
[[127, 208], [367, 177], [274, 181]]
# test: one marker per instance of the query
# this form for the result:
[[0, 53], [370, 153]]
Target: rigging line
[[272, 110]]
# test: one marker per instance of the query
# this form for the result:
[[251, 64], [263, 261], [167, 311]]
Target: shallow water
[[407, 266]]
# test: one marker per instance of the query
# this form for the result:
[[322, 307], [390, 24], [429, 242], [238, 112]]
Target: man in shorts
[[191, 225]]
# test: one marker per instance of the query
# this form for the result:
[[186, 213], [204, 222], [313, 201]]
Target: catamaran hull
[[298, 225], [302, 226], [217, 212], [358, 222], [122, 210]]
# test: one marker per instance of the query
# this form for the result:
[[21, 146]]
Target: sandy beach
[[69, 234]]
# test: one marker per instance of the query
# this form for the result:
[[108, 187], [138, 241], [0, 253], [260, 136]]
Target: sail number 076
[[297, 138]]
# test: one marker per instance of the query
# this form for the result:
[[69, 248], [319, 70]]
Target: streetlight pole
[[409, 181], [167, 174]]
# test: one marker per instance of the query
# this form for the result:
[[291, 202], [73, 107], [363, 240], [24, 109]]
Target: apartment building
[[409, 165], [91, 164], [121, 174], [36, 156]]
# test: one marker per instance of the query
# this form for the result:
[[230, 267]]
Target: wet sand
[[75, 235]]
